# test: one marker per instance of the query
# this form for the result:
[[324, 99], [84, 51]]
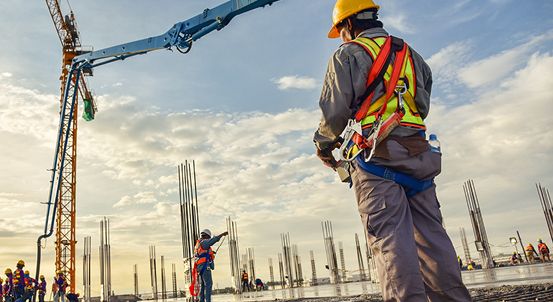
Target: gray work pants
[[414, 256]]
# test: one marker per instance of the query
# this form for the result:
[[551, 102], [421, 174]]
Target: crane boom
[[181, 36]]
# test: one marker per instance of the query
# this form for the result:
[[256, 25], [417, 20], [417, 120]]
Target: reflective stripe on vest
[[412, 117], [202, 255]]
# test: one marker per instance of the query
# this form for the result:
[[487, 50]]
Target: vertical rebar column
[[547, 207], [342, 261], [163, 281], [330, 249], [480, 235], [234, 254], [281, 271], [86, 268], [362, 275], [297, 265], [190, 222], [466, 249], [271, 273], [153, 272], [174, 279], [105, 261], [251, 264], [313, 269], [135, 268], [287, 257]]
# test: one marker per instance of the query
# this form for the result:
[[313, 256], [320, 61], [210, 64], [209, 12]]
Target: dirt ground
[[539, 292]]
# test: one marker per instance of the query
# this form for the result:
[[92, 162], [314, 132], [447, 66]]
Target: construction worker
[[19, 282], [544, 251], [204, 262], [530, 252], [514, 259], [30, 284], [395, 192], [1, 290], [41, 288], [460, 262], [59, 286], [8, 286], [245, 281]]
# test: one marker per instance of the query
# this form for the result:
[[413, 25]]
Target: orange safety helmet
[[344, 9]]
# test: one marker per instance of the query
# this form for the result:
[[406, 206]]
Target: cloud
[[399, 22], [296, 82], [493, 69], [139, 198]]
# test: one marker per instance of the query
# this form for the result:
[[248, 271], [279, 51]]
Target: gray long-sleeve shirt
[[345, 82]]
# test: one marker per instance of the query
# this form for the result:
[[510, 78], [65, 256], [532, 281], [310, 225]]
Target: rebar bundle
[[153, 272], [466, 249], [135, 278], [547, 207], [342, 261], [313, 269], [190, 219], [174, 279], [86, 268], [287, 257], [271, 273], [330, 248], [251, 263], [105, 260], [480, 235], [362, 274], [234, 254], [281, 271], [163, 281], [297, 265]]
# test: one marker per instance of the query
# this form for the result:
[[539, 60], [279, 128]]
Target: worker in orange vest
[[544, 251], [530, 252], [204, 262], [245, 281]]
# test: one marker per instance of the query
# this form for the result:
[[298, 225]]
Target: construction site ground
[[514, 283]]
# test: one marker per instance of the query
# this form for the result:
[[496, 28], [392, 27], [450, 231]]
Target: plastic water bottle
[[434, 144]]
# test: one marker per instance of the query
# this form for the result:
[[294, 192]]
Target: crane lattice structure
[[65, 243]]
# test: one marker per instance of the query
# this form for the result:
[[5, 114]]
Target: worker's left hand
[[223, 234]]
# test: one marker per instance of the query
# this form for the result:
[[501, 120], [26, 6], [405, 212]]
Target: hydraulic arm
[[181, 36]]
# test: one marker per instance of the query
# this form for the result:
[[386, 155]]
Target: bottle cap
[[433, 137]]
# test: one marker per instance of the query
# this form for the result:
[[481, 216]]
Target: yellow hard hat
[[41, 277], [8, 271], [20, 263], [344, 9], [26, 272]]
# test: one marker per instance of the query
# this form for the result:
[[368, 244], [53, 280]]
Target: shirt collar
[[373, 32]]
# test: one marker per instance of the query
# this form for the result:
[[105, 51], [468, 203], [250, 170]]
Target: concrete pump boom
[[181, 36]]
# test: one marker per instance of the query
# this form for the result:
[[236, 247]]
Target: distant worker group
[[19, 286], [542, 253]]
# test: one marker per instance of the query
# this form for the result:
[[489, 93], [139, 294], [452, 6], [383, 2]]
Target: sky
[[244, 105]]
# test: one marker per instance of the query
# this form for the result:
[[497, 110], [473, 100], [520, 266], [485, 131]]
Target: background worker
[[41, 288], [544, 251], [245, 281], [8, 286], [19, 282], [420, 262], [204, 261], [1, 290], [530, 252], [59, 287]]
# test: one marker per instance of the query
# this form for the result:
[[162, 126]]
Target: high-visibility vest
[[245, 277], [543, 248], [203, 255], [412, 117]]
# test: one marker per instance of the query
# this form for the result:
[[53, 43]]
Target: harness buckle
[[353, 127]]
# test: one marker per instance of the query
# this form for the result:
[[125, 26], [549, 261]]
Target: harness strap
[[411, 185]]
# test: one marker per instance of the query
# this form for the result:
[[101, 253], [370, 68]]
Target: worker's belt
[[411, 185]]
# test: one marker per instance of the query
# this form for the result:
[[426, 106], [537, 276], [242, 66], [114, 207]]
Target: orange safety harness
[[354, 140], [202, 256]]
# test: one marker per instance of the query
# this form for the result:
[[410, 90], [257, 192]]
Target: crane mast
[[65, 244]]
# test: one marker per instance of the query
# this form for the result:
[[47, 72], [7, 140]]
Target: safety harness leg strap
[[411, 185]]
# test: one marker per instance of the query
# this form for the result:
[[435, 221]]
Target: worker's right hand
[[223, 234], [325, 155]]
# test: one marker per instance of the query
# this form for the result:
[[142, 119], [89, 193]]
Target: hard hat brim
[[333, 33]]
